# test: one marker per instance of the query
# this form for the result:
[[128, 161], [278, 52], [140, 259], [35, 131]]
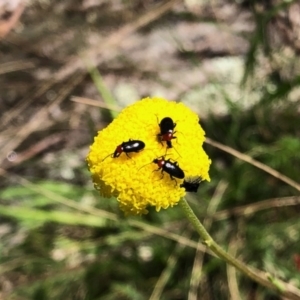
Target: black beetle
[[167, 132], [172, 168], [127, 147]]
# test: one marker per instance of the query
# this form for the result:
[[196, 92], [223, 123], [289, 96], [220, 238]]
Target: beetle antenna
[[145, 165], [180, 133], [174, 149], [177, 151], [107, 157], [157, 118], [166, 152], [163, 156]]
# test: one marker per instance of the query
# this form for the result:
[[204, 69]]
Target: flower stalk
[[260, 277]]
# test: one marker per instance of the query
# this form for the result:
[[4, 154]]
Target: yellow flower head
[[133, 179]]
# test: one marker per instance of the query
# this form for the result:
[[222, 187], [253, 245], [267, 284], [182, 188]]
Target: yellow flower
[[133, 180]]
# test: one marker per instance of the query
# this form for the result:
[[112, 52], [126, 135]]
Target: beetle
[[127, 147], [191, 184], [172, 168], [167, 132]]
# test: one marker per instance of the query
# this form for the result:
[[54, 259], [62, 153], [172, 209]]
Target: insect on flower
[[127, 147], [167, 132], [172, 168], [191, 184]]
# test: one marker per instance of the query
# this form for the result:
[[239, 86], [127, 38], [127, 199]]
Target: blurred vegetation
[[60, 240]]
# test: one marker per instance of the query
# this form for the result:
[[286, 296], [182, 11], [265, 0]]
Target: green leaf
[[31, 216]]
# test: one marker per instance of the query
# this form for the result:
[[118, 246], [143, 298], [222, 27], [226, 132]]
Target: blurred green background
[[235, 63]]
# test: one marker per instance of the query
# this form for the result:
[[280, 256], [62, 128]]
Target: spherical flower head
[[136, 180]]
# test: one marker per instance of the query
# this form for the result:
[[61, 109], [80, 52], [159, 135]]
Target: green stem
[[101, 87], [260, 277]]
